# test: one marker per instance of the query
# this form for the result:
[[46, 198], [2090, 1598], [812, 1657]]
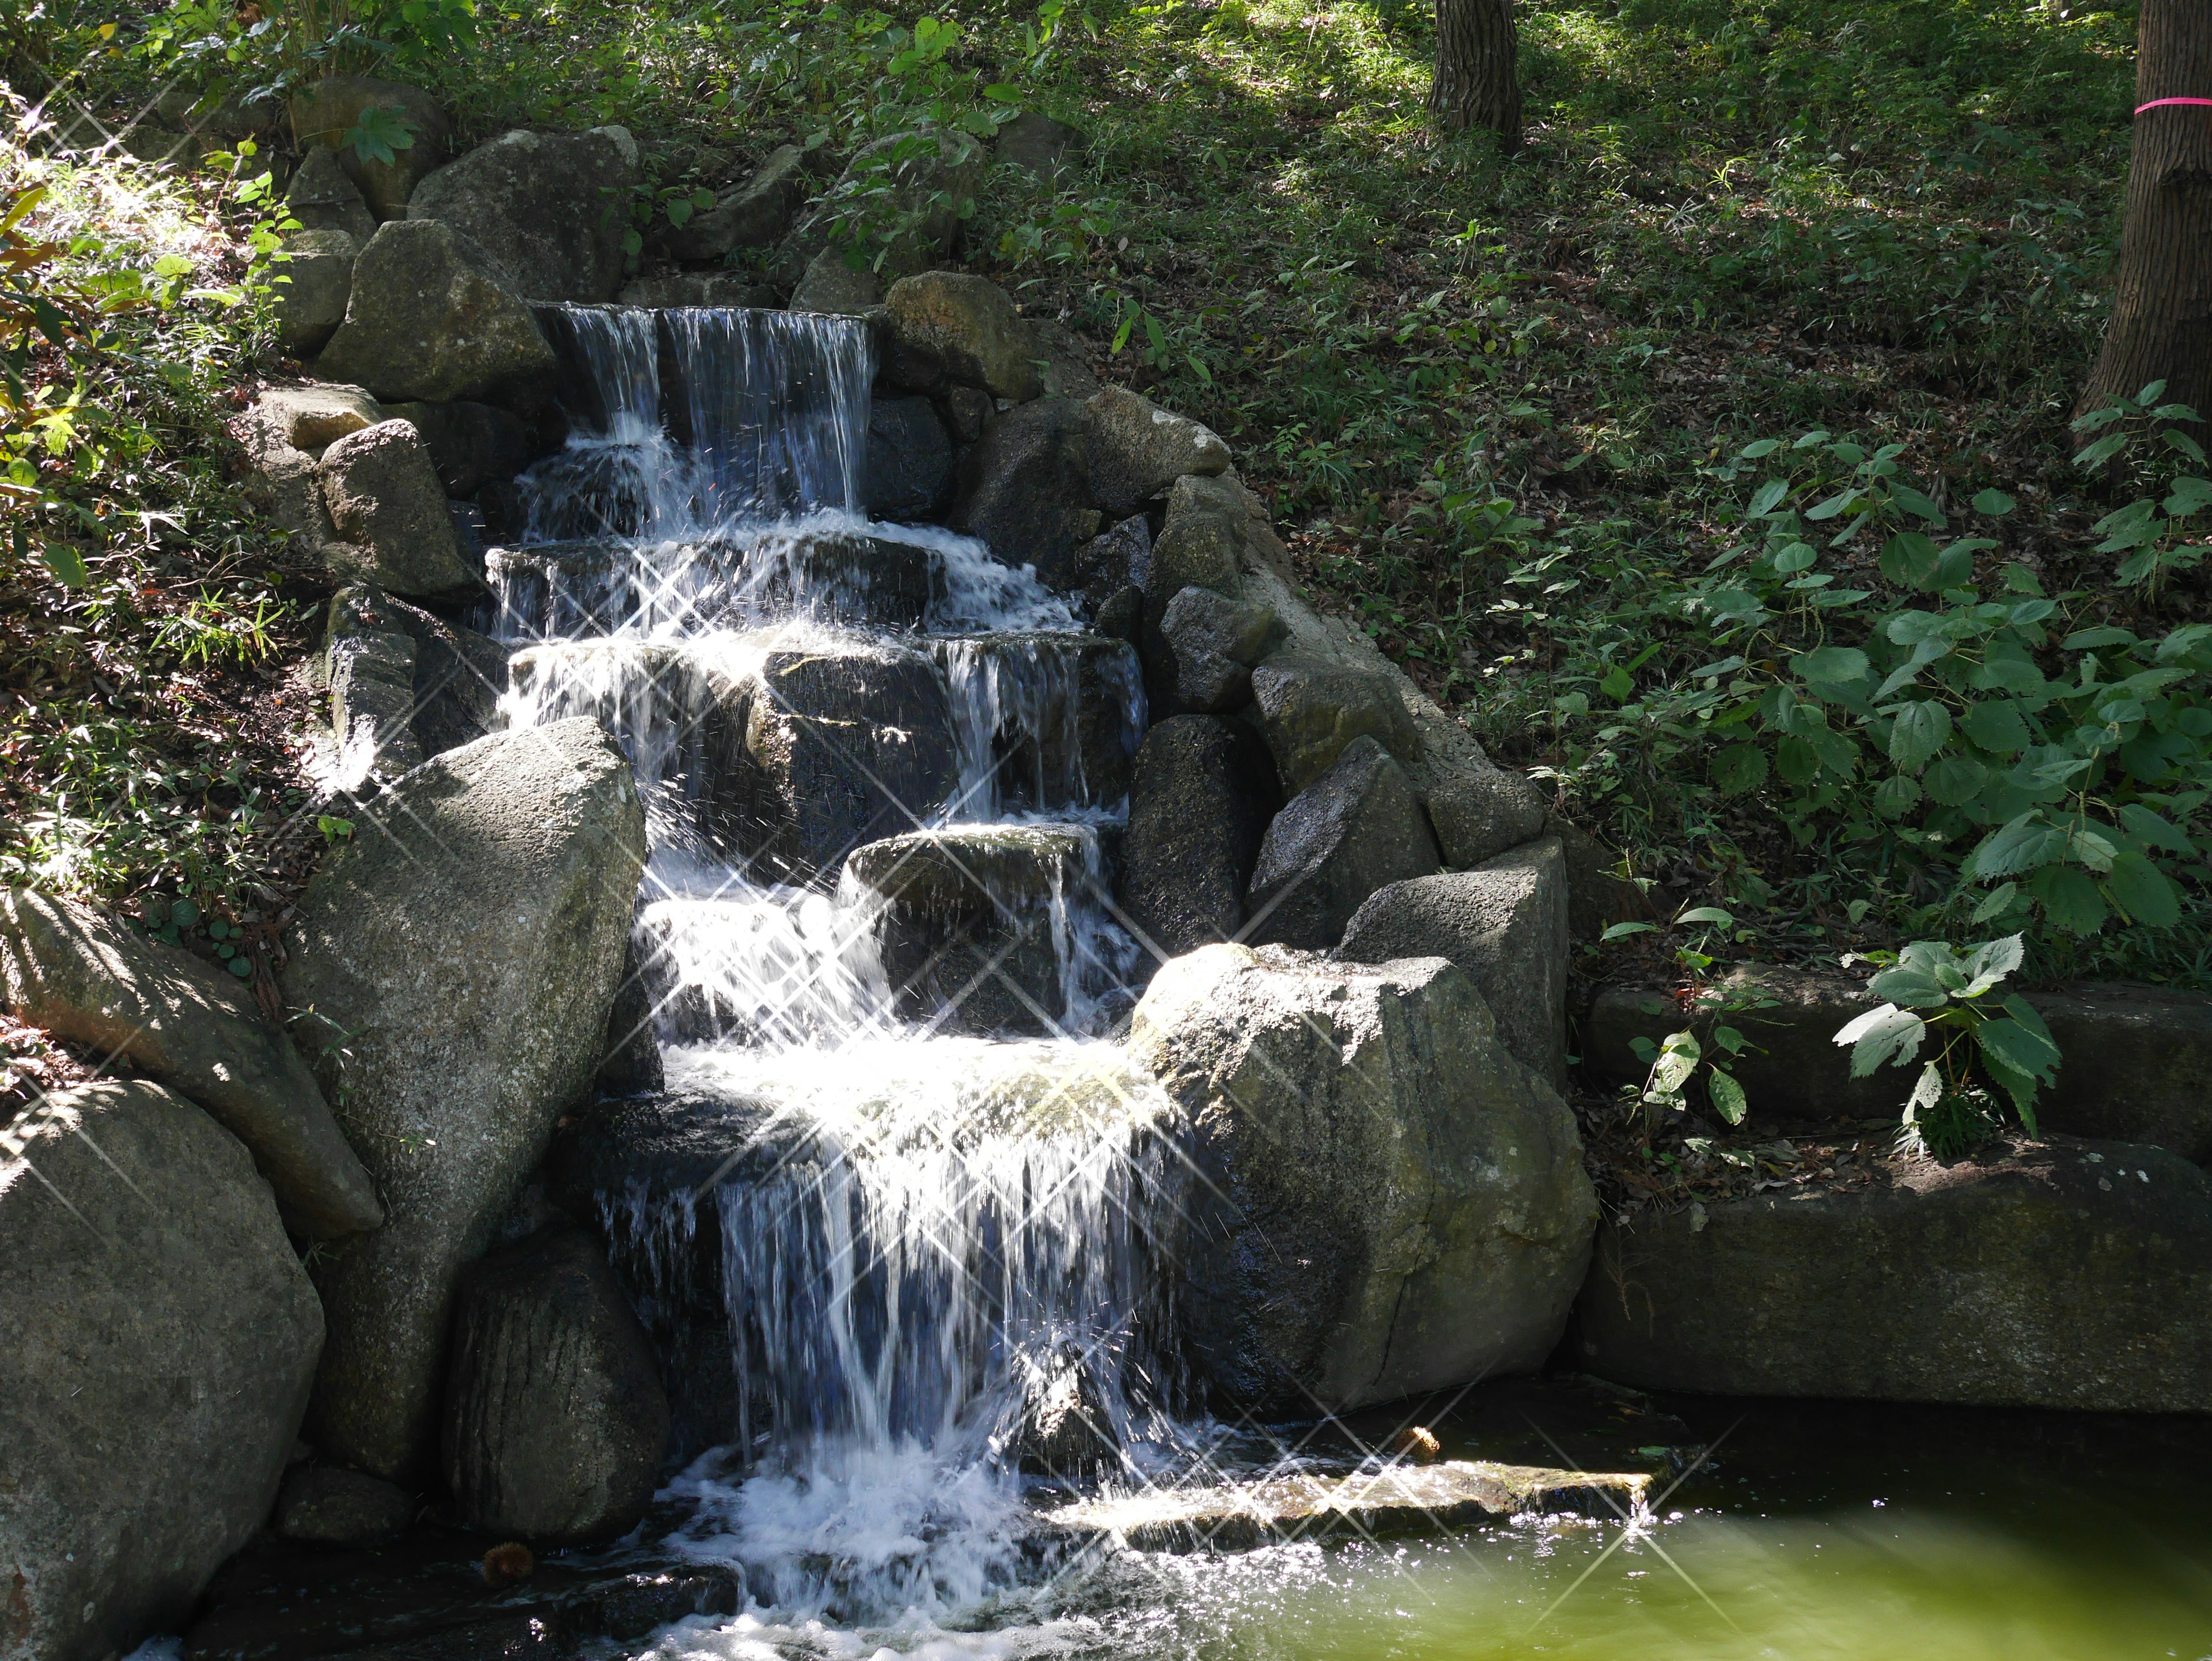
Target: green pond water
[[1814, 1532]]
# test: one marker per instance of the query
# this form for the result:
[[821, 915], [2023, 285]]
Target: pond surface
[[1811, 1532]]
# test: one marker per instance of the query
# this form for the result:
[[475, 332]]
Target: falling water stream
[[945, 1192]]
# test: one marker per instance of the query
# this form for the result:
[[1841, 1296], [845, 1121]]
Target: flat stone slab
[[1402, 1499]]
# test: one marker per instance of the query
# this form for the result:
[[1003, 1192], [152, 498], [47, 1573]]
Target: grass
[[1494, 402]]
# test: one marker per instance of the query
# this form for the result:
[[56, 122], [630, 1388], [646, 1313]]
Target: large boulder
[[387, 505], [1353, 830], [968, 324], [555, 1421], [282, 437], [431, 317], [834, 288], [1025, 487], [404, 685], [1138, 450], [196, 1029], [325, 112], [315, 280], [1038, 143], [1384, 1202], [454, 962], [1207, 646], [1311, 707], [1505, 923], [157, 1336], [1202, 539], [754, 215], [322, 198], [550, 208], [2073, 1274], [1201, 803]]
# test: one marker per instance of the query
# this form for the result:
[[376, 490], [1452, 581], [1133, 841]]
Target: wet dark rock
[[387, 505], [1209, 643], [1935, 1283], [1067, 722], [1505, 923], [1120, 614], [909, 464], [1353, 830], [457, 957], [968, 324], [555, 1421], [157, 1336], [195, 1028], [1202, 542], [1138, 450], [1386, 1202], [323, 1505], [550, 208], [754, 215], [323, 198], [406, 684], [831, 750], [964, 919], [1201, 802], [967, 411], [634, 1606], [325, 113], [630, 1065], [470, 444], [317, 273], [432, 317], [1067, 1428], [1025, 489]]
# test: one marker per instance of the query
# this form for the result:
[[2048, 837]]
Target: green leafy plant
[[1934, 988], [1701, 1052], [2153, 531], [380, 134]]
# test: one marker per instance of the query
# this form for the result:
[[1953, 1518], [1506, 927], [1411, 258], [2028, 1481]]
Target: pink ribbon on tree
[[2161, 103]]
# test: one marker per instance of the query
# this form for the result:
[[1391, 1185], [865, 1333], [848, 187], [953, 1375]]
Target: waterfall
[[883, 773]]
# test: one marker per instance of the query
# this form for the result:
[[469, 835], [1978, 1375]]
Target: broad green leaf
[[1996, 725], [1994, 503], [1621, 931], [66, 563], [2023, 844], [2070, 900], [2102, 451], [1909, 558], [1990, 963], [1727, 1097], [1770, 495], [1895, 796], [1886, 1034], [1834, 666], [2153, 830], [2019, 1047], [1955, 781], [1913, 503], [1999, 901], [1834, 505], [1797, 761], [1911, 989], [2010, 1080], [1919, 730], [1709, 914], [2140, 890]]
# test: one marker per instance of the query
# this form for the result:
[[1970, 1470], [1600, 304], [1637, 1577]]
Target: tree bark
[[2162, 322], [1478, 80]]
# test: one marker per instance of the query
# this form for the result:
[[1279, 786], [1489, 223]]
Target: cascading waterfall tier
[[895, 1222]]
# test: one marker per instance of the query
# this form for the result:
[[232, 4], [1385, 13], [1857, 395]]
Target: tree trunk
[[1477, 81], [2161, 323]]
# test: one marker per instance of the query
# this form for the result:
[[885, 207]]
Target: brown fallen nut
[[508, 1565], [1418, 1444]]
